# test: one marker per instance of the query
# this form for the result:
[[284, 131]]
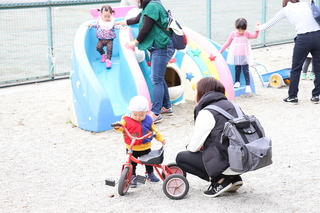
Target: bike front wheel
[[124, 181]]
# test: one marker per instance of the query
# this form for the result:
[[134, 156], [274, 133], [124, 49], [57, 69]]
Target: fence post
[[209, 19], [263, 20], [51, 56]]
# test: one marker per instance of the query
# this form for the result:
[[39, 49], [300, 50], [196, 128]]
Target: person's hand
[[163, 142], [257, 26], [131, 43], [117, 127], [122, 22], [90, 25]]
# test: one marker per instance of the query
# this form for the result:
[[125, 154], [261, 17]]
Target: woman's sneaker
[[166, 111], [303, 76], [151, 177], [216, 189], [236, 183]]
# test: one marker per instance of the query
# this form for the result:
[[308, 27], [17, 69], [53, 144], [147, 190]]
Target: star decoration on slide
[[196, 52], [78, 84], [206, 72], [172, 60], [212, 58], [189, 76]]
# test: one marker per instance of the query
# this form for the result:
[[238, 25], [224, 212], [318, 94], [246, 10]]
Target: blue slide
[[100, 96]]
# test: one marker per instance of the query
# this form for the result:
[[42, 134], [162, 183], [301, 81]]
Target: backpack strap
[[238, 110], [163, 30], [169, 15], [225, 113], [157, 3]]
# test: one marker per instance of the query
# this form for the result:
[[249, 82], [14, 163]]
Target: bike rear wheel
[[175, 169], [124, 181], [175, 186]]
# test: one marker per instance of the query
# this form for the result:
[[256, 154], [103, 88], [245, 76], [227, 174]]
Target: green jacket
[[159, 14]]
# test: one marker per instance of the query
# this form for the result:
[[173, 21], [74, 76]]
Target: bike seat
[[153, 157]]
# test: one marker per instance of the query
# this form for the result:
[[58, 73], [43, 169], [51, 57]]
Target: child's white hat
[[138, 104]]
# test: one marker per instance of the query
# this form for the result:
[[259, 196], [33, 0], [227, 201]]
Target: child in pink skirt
[[240, 51]]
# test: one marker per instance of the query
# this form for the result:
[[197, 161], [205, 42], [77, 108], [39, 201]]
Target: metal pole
[[50, 42], [209, 19], [263, 20]]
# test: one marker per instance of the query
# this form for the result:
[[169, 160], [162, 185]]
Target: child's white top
[[106, 25]]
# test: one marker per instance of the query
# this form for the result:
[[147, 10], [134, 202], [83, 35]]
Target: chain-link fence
[[37, 36]]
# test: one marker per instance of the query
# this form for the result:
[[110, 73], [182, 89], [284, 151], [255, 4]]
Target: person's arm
[[130, 21], [117, 27], [203, 126], [134, 20], [250, 35], [278, 17], [93, 24], [123, 123], [146, 28], [228, 42], [144, 31], [159, 136]]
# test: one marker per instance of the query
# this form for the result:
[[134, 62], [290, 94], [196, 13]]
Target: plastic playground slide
[[100, 96]]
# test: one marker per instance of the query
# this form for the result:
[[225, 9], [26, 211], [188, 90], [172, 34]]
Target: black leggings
[[191, 162], [245, 73], [108, 43], [136, 154]]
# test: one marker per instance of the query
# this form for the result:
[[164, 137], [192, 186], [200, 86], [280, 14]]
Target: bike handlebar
[[127, 133]]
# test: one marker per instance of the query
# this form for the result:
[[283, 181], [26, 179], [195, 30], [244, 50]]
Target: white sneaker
[[248, 89], [237, 84]]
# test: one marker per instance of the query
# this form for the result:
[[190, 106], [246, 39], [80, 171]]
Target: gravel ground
[[47, 165]]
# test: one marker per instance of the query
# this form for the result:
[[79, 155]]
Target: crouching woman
[[204, 156]]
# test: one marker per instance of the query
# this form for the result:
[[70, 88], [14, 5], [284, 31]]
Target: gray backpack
[[248, 148]]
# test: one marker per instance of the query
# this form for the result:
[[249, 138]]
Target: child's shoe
[[237, 84], [103, 58], [248, 89], [151, 177], [133, 182], [311, 76], [303, 76], [108, 64]]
